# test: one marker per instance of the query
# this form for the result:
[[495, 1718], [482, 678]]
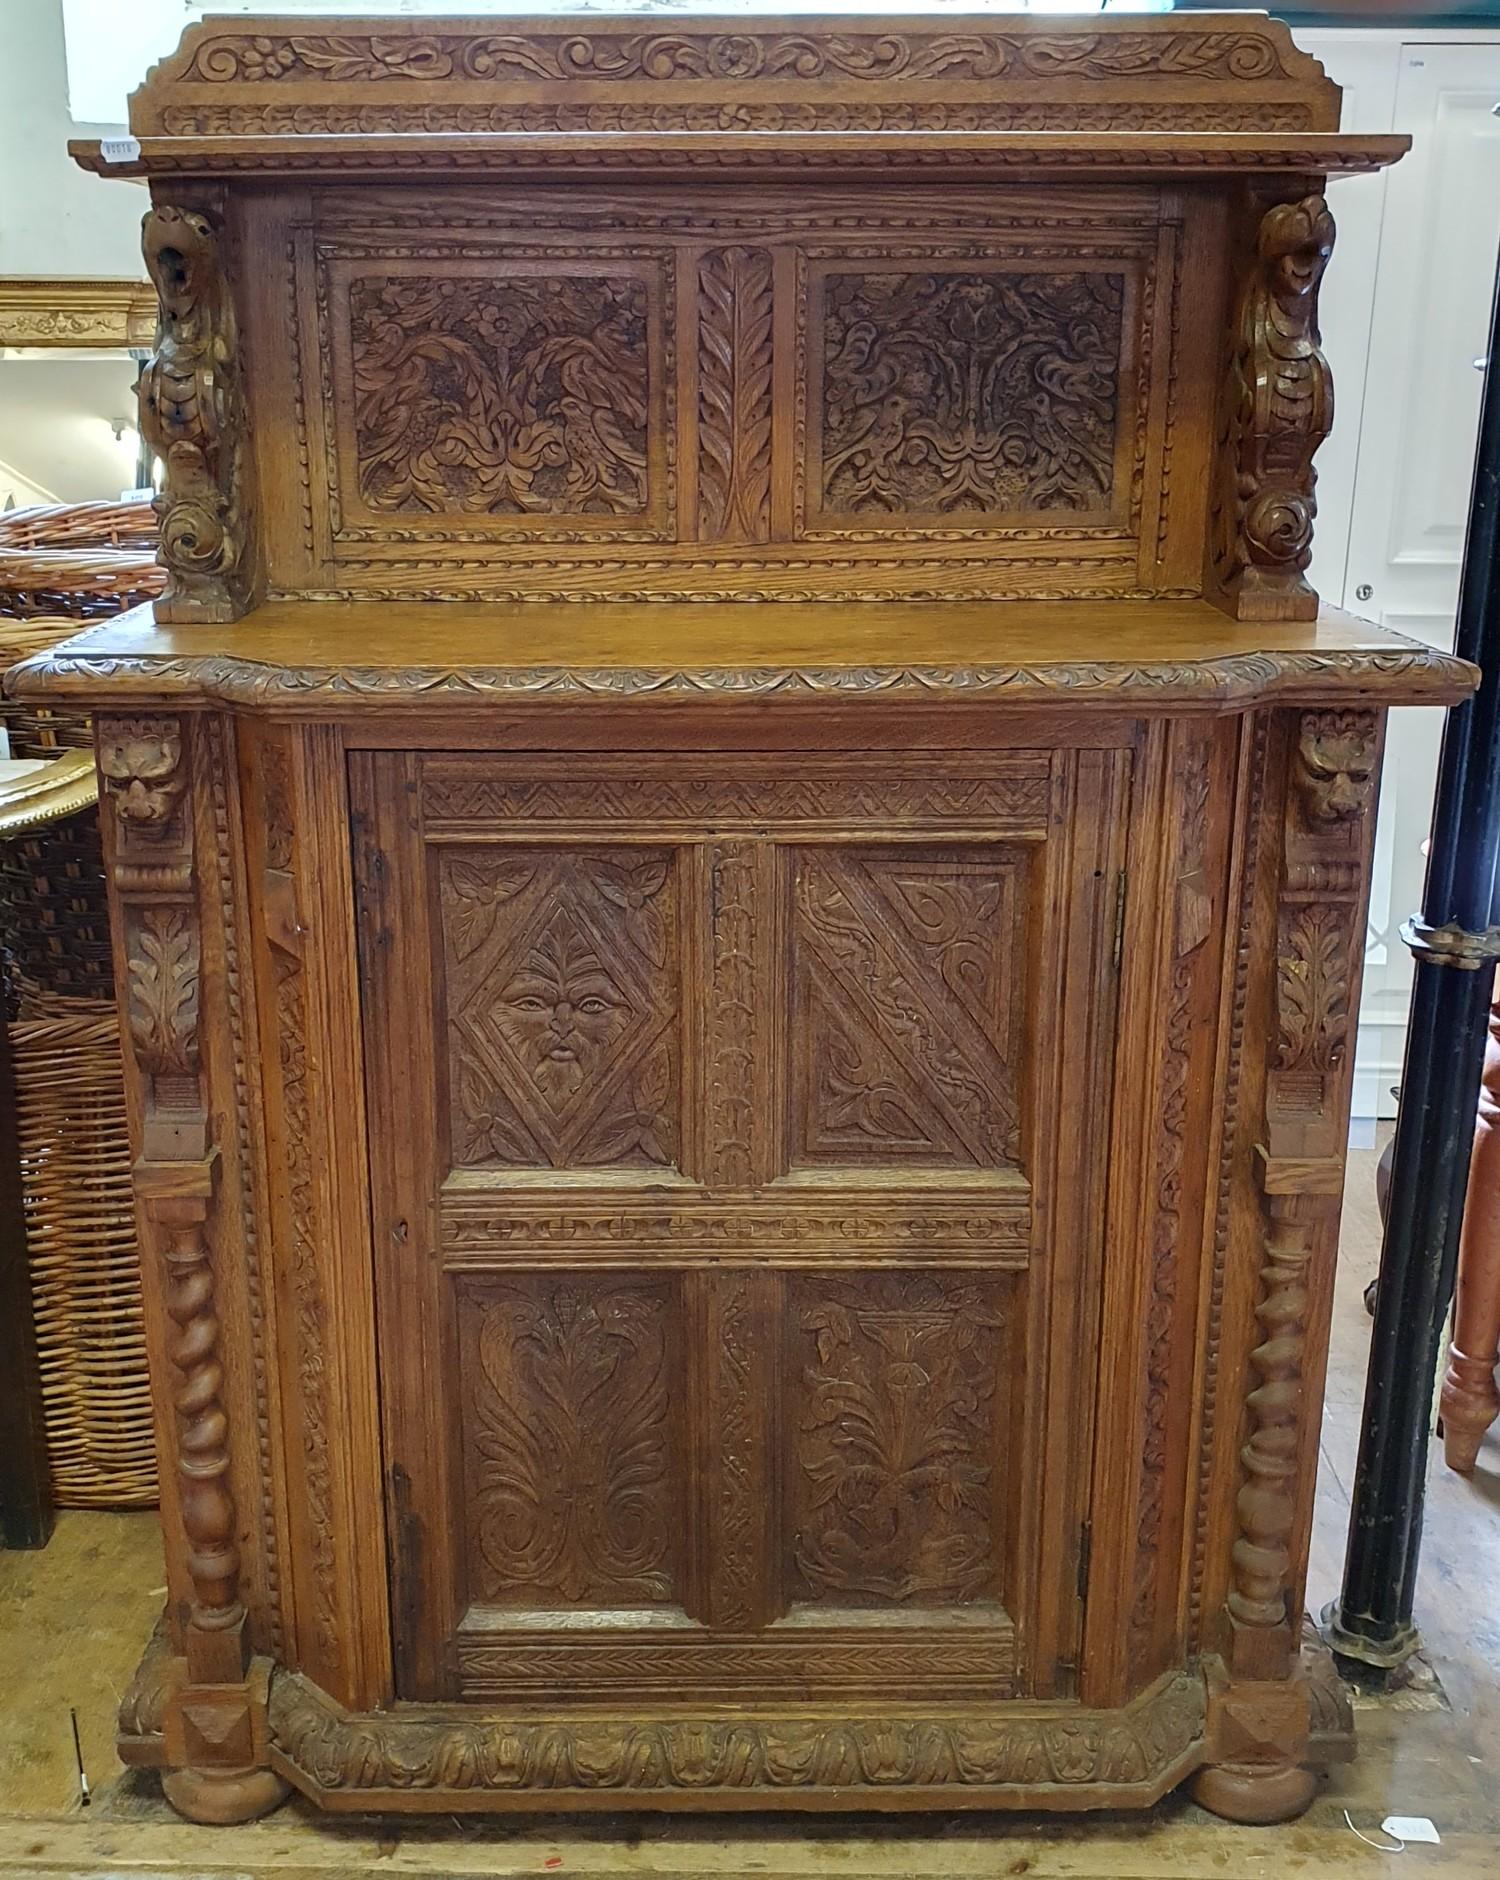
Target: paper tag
[[119, 149], [1411, 1828]]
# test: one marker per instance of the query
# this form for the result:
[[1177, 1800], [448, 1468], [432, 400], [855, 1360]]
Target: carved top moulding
[[576, 95]]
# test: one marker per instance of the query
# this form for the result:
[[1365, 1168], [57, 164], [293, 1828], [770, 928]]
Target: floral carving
[[192, 416], [894, 1445], [497, 395], [1279, 410], [571, 1491], [342, 58], [951, 394]]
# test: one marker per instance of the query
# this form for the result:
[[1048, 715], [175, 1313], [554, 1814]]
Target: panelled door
[[737, 1146]]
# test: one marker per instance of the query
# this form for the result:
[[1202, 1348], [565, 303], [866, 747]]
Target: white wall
[[54, 218]]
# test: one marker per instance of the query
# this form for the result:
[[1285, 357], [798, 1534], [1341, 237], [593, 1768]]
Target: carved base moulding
[[1010, 1757], [737, 1201]]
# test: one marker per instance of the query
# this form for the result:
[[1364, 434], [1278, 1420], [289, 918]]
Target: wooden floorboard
[[73, 1621]]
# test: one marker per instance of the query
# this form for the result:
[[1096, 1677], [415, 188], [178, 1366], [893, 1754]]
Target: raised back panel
[[825, 392]]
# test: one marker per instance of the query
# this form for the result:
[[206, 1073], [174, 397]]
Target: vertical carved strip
[[216, 748], [1319, 934], [737, 1347], [144, 768], [192, 415], [1232, 1111], [734, 395], [1278, 409], [731, 1069], [285, 931], [1192, 922]]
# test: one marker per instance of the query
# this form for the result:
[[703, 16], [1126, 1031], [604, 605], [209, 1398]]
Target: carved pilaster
[[1278, 407], [192, 415], [1319, 930], [1263, 1718], [214, 1724]]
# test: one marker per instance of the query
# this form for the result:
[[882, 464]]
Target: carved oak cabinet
[[740, 860]]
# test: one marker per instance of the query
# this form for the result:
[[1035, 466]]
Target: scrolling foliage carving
[[1319, 935], [951, 394], [192, 415], [909, 975], [1278, 410], [499, 395], [568, 1399]]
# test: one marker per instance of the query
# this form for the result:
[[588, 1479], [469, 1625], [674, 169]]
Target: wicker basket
[[61, 566], [129, 524], [75, 1150], [85, 1272]]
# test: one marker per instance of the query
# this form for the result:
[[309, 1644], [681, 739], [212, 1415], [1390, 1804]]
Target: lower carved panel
[[1058, 1756]]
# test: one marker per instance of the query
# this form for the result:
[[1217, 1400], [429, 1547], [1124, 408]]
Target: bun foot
[[1255, 1793], [221, 1800]]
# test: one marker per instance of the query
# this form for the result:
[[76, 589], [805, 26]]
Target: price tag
[[119, 149]]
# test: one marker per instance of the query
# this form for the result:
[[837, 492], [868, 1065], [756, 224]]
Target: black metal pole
[[1455, 940]]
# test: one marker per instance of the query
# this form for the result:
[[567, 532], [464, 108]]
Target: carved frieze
[[1278, 409], [735, 57], [1039, 1750], [192, 415]]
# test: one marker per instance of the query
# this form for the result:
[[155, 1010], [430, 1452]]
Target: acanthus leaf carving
[[572, 1496], [735, 298]]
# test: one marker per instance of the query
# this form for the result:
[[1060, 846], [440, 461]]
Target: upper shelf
[[1128, 95], [1043, 156], [331, 659]]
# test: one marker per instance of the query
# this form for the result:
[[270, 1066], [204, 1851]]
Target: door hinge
[[1085, 1556], [1118, 946]]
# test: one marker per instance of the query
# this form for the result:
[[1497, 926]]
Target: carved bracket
[[1319, 934], [1278, 408], [192, 415]]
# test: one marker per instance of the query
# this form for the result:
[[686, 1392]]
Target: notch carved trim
[[1278, 409], [192, 415]]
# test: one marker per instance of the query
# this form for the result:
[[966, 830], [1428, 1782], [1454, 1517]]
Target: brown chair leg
[[1470, 1402]]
